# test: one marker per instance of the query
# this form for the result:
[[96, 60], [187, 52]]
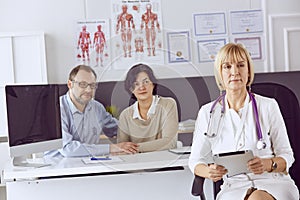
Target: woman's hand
[[127, 147], [257, 165], [216, 172]]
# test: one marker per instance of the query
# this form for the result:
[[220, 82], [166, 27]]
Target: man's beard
[[80, 101]]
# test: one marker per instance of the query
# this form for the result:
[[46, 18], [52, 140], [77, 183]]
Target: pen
[[100, 158]]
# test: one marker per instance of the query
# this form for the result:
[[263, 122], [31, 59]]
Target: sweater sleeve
[[123, 127]]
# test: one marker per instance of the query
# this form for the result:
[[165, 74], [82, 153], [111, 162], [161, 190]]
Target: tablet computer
[[234, 162]]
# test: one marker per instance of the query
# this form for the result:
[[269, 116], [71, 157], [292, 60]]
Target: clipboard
[[234, 162]]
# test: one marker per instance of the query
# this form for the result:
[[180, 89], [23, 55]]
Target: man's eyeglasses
[[138, 84], [84, 84]]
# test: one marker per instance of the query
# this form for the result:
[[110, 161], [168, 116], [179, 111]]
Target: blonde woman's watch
[[273, 166]]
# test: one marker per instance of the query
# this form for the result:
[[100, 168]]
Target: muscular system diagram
[[84, 42], [137, 33], [150, 24], [99, 43], [125, 25]]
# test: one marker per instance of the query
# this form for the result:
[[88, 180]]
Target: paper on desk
[[113, 159], [187, 125], [181, 150]]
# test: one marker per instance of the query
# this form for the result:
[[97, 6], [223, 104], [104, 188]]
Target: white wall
[[58, 20]]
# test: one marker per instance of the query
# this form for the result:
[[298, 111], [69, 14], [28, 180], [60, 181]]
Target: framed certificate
[[178, 46], [208, 49], [249, 21], [253, 45], [206, 24]]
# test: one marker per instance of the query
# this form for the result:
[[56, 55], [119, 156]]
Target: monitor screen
[[33, 116]]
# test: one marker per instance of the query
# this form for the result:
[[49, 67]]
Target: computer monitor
[[33, 116]]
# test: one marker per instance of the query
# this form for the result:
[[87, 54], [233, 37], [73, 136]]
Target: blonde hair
[[233, 53]]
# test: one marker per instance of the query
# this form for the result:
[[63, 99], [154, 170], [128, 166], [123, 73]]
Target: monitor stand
[[22, 161]]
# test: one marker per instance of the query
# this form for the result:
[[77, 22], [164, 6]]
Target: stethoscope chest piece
[[261, 145]]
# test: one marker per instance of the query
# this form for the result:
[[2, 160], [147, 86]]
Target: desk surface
[[75, 166], [3, 139]]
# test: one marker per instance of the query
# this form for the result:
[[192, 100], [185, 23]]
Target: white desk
[[134, 178]]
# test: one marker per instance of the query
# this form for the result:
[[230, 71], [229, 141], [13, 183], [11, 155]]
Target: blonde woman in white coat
[[268, 178]]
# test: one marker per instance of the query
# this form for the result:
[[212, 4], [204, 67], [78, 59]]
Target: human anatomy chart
[[92, 43], [136, 32]]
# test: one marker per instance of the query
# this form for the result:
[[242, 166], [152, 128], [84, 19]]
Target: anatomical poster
[[92, 42], [136, 33]]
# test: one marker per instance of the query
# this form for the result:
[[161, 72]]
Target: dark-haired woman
[[152, 121]]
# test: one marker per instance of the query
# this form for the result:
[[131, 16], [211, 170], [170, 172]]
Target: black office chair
[[198, 189], [290, 111]]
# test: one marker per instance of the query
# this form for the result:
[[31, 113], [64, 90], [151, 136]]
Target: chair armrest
[[197, 188]]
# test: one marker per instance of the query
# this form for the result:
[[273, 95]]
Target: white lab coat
[[239, 133]]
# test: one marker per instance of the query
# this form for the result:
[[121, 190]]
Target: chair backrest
[[198, 187], [290, 110]]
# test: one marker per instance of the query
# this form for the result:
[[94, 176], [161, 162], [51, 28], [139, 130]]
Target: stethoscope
[[260, 143]]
